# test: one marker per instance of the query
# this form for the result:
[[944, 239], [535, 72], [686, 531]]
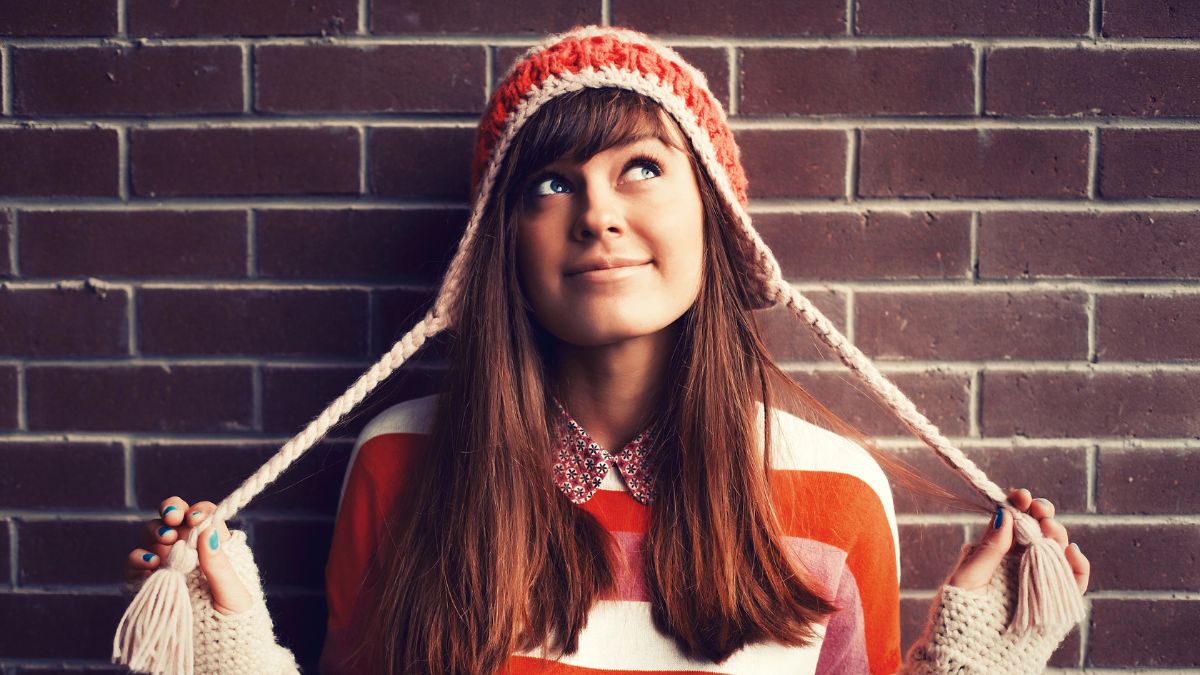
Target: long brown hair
[[490, 558]]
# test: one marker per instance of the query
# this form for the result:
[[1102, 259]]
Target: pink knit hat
[[155, 633]]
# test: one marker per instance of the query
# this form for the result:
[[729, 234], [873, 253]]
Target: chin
[[584, 332]]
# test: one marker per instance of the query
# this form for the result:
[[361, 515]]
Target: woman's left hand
[[976, 568]]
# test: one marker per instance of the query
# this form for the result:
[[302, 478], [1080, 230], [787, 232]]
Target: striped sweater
[[831, 496]]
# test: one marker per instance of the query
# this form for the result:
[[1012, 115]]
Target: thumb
[[981, 561], [229, 593]]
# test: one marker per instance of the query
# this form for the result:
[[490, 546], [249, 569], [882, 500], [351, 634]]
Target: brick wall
[[214, 215]]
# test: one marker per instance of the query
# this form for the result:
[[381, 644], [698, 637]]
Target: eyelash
[[642, 159]]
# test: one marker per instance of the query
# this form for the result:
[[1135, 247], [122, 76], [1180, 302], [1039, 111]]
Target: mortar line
[[975, 404], [132, 322], [978, 53], [1092, 463], [851, 309], [489, 71], [973, 244], [130, 477], [1089, 309], [1093, 163], [851, 22], [123, 18], [11, 523], [364, 23], [124, 180], [252, 243], [14, 238], [22, 399], [1095, 19], [734, 57], [1085, 633], [248, 82], [363, 161], [853, 141], [6, 81], [605, 12]]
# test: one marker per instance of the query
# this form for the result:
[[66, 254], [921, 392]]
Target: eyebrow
[[632, 140]]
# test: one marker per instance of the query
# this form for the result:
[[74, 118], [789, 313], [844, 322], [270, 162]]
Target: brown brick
[[1140, 557], [940, 396], [170, 243], [728, 17], [973, 163], [45, 18], [1151, 18], [294, 395], [1090, 404], [168, 18], [1119, 245], [8, 397], [408, 245], [914, 616], [85, 321], [97, 553], [252, 161], [872, 245], [310, 485], [40, 633], [972, 325], [1149, 163], [173, 399], [443, 170], [1148, 327], [1148, 480], [928, 554], [385, 78], [6, 233], [790, 340], [121, 80], [1126, 82], [293, 553], [269, 322], [1025, 18], [1056, 473], [810, 163], [50, 475], [1148, 633], [857, 81], [477, 16], [58, 162]]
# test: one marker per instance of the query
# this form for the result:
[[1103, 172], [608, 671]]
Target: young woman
[[616, 476]]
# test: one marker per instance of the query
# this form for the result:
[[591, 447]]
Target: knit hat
[[155, 633]]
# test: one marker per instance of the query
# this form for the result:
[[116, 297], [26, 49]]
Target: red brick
[[1148, 480], [443, 170], [168, 398], [247, 161], [268, 322], [1025, 18], [64, 322], [973, 163], [1090, 404], [1149, 163], [121, 80], [408, 245], [1140, 557], [1147, 633], [728, 17], [477, 16], [292, 553], [384, 78], [170, 243], [294, 395], [6, 233], [1151, 18], [790, 340], [1056, 473], [1119, 245], [58, 162], [972, 325], [872, 245], [310, 485], [170, 18], [1126, 82], [40, 633], [1148, 327], [942, 397], [33, 475], [97, 553], [8, 397], [928, 554], [857, 81], [808, 163], [45, 18]]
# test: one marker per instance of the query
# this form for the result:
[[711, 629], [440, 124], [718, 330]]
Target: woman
[[617, 476]]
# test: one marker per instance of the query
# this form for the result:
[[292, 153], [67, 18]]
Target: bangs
[[580, 124]]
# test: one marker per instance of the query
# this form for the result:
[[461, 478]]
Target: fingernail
[[1076, 547], [1043, 500], [163, 530], [197, 516], [212, 540], [148, 557], [169, 509], [999, 518]]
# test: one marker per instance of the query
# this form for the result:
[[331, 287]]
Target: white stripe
[[620, 635]]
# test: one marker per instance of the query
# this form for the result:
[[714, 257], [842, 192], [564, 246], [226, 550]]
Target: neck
[[612, 390]]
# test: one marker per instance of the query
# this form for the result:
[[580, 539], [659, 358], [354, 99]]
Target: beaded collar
[[581, 464]]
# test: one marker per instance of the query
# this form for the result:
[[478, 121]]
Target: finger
[[976, 570], [1054, 530], [161, 533], [229, 593], [200, 513], [1081, 567], [140, 563], [1021, 498], [1041, 508], [172, 509]]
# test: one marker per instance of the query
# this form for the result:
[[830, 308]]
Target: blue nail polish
[[147, 557], [169, 509], [195, 513], [999, 518], [212, 540], [163, 530]]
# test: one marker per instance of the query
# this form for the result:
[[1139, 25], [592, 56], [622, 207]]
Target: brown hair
[[490, 558]]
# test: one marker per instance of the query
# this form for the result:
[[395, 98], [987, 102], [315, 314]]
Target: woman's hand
[[230, 595], [976, 568]]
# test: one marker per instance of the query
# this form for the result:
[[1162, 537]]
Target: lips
[[595, 264]]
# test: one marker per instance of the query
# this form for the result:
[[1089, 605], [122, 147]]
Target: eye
[[550, 182], [644, 163]]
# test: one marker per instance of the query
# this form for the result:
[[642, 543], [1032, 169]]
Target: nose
[[600, 215]]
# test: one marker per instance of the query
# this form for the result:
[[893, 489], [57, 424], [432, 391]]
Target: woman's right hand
[[230, 595]]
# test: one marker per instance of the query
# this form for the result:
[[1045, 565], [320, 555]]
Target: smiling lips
[[606, 267]]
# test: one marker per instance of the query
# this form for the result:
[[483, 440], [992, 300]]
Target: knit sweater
[[839, 521]]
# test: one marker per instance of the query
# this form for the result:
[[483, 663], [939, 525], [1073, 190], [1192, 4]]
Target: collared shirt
[[581, 464]]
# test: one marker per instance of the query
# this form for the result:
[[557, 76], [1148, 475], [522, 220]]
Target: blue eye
[[641, 162], [548, 180]]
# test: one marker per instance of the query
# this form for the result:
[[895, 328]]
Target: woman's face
[[612, 248]]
